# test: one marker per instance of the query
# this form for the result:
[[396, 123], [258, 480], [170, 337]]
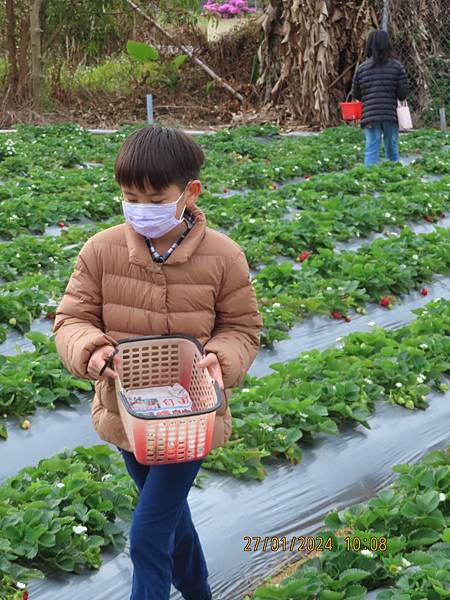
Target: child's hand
[[97, 361], [211, 362]]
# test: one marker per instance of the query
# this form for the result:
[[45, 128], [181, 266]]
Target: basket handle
[[220, 396], [108, 362]]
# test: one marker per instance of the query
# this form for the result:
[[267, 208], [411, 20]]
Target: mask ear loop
[[184, 209]]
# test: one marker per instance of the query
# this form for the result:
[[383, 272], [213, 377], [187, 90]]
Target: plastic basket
[[351, 111], [157, 361]]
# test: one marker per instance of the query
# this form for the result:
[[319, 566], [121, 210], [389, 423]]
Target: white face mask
[[152, 220]]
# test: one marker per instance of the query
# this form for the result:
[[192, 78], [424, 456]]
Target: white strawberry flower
[[405, 562], [60, 485], [79, 529], [399, 385], [442, 497], [371, 323], [266, 427], [367, 552], [20, 585]]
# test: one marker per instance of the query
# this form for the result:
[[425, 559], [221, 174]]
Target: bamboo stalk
[[186, 50]]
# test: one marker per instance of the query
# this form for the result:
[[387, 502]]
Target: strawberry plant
[[35, 379], [399, 540], [61, 514], [320, 391]]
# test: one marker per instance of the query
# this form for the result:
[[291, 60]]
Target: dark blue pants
[[164, 545]]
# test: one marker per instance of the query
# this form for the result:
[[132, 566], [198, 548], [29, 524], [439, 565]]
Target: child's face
[[167, 196]]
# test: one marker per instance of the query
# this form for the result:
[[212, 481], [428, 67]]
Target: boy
[[161, 272]]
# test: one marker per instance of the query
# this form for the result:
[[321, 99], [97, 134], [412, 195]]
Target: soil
[[183, 115]]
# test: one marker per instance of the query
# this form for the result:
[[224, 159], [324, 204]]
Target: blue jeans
[[373, 142], [164, 545]]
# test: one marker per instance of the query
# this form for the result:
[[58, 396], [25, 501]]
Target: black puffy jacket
[[379, 86]]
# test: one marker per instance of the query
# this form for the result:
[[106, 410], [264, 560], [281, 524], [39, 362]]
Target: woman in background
[[379, 81]]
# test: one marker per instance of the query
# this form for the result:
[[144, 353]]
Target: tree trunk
[[13, 73], [24, 69], [36, 57]]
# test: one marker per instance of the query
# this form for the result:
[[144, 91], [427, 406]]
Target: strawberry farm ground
[[351, 270]]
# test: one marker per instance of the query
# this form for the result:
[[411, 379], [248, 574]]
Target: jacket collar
[[139, 254]]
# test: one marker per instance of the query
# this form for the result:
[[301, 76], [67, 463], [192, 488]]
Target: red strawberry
[[336, 315], [384, 301], [348, 319], [25, 596], [429, 219], [61, 224], [274, 186], [424, 291], [303, 256], [51, 315], [307, 177], [225, 190]]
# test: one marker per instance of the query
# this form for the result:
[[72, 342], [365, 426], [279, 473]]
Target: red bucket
[[351, 111]]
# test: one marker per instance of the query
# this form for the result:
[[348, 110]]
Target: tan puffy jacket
[[117, 291]]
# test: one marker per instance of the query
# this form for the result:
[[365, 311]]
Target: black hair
[[160, 156], [379, 47]]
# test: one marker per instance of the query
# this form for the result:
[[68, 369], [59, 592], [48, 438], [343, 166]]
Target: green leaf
[[428, 502], [333, 521], [142, 52], [330, 595], [355, 592], [422, 537], [66, 564], [352, 576], [179, 60]]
